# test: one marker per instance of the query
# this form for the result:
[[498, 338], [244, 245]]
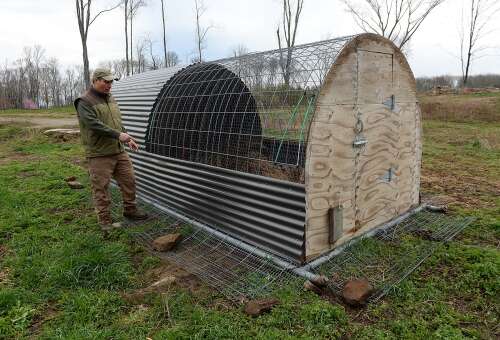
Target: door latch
[[360, 142]]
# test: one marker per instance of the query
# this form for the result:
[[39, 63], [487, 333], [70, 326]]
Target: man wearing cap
[[103, 136]]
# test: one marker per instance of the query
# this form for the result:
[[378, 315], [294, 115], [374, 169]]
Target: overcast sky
[[52, 24]]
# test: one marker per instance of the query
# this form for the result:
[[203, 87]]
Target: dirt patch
[[465, 191], [163, 279], [48, 314], [4, 273], [81, 162], [183, 279], [18, 157], [26, 174], [40, 122], [4, 276]]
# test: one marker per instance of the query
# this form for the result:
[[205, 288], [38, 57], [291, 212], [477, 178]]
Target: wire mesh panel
[[384, 259], [249, 113], [389, 256], [236, 273]]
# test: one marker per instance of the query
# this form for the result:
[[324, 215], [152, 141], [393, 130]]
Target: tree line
[[454, 82], [36, 81]]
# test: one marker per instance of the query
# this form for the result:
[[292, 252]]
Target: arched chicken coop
[[295, 151]]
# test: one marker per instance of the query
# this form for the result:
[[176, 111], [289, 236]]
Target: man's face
[[103, 86]]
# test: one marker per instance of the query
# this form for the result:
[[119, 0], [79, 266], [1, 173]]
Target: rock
[[70, 179], [75, 185], [357, 292], [164, 281], [320, 281], [310, 286], [258, 307], [166, 242]]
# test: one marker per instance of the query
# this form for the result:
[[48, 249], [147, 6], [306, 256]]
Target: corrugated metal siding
[[265, 212]]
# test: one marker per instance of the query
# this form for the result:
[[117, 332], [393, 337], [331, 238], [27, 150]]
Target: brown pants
[[101, 170]]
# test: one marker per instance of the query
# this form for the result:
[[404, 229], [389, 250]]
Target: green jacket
[[100, 123]]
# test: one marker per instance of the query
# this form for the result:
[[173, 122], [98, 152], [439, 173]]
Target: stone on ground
[[166, 242], [70, 179], [258, 307], [75, 185], [357, 292]]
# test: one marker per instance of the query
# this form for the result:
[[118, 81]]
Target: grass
[[63, 111], [60, 279]]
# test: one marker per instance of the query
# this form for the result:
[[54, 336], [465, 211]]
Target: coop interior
[[274, 165]]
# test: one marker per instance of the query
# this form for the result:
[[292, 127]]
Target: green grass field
[[54, 112], [60, 279]]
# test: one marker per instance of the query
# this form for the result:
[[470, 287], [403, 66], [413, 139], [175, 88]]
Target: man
[[103, 136]]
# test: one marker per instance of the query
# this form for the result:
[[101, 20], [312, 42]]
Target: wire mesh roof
[[249, 113]]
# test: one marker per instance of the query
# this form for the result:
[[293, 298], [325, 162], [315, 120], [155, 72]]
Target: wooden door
[[377, 141]]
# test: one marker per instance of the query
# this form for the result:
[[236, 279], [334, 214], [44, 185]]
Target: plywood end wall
[[369, 94]]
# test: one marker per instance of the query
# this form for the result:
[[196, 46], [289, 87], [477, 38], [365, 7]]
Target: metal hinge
[[389, 175], [390, 103]]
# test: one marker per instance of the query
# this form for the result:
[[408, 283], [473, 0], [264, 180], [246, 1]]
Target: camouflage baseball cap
[[102, 73]]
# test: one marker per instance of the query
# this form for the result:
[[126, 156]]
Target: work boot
[[135, 215], [107, 224], [107, 228], [111, 226]]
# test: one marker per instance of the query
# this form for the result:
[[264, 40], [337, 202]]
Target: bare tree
[[172, 59], [397, 20], [117, 66], [239, 50], [154, 59], [141, 48], [476, 15], [201, 31], [164, 31], [33, 58], [290, 22], [125, 14], [54, 81], [134, 6], [85, 20], [71, 85]]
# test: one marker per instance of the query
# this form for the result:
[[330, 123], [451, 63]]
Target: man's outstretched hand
[[133, 145], [126, 138]]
